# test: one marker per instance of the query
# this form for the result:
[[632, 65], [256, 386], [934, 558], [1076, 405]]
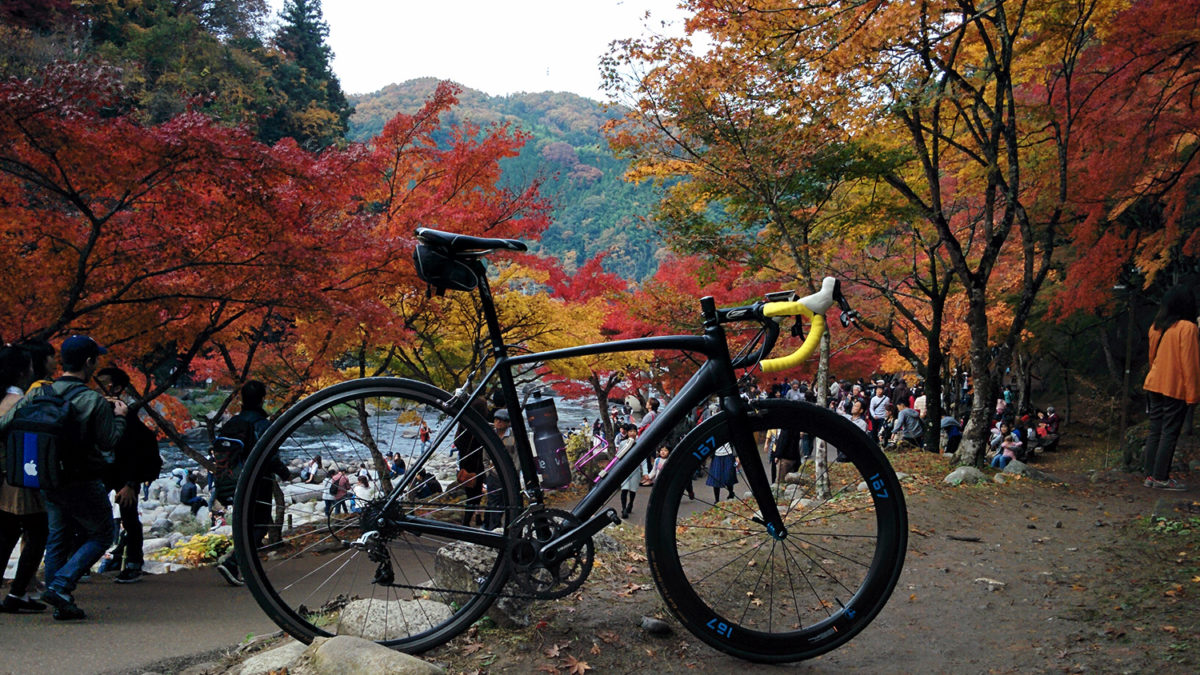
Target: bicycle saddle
[[462, 243]]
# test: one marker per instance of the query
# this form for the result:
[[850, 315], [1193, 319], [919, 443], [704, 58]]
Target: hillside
[[595, 209]]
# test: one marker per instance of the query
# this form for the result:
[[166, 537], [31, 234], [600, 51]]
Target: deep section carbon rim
[[784, 596]]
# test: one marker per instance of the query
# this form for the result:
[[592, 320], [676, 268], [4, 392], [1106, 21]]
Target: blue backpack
[[44, 439]]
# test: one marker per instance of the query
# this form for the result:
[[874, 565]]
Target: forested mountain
[[595, 209]]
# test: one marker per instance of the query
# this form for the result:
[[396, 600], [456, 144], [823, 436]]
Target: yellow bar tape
[[815, 331]]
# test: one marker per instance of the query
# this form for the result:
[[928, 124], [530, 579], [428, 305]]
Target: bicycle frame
[[715, 377]]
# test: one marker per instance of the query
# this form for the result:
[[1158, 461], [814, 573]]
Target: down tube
[[702, 385]]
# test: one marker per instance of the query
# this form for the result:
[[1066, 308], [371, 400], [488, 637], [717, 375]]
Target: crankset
[[540, 578]]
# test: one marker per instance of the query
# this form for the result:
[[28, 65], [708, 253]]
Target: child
[[658, 464], [1006, 444], [630, 486]]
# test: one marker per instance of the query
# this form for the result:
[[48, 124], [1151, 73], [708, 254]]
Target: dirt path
[[1021, 577]]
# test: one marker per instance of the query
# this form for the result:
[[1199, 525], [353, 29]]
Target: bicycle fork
[[746, 449]]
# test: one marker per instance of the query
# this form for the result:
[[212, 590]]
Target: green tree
[[317, 114]]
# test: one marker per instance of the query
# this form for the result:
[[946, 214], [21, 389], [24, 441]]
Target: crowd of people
[[894, 414]]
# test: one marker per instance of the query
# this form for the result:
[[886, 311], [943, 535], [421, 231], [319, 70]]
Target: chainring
[[536, 577]]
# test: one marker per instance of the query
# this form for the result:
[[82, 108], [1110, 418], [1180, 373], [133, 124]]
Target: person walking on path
[[243, 431], [22, 510], [135, 459], [80, 515], [1172, 384]]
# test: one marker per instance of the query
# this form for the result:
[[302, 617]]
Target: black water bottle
[[548, 442]]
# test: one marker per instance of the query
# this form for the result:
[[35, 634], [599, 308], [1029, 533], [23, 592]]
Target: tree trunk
[[819, 448], [933, 399], [983, 378]]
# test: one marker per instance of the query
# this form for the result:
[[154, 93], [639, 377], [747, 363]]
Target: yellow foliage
[[201, 549]]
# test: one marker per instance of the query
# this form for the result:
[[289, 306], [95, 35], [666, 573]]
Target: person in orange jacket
[[1172, 384]]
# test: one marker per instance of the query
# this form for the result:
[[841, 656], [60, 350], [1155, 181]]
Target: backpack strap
[[76, 389]]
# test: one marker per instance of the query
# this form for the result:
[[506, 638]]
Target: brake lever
[[797, 328], [848, 316]]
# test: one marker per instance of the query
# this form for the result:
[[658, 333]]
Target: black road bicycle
[[780, 572]]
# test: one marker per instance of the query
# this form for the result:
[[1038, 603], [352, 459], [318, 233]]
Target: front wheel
[[785, 596], [409, 573]]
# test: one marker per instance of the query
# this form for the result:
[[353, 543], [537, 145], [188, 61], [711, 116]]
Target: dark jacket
[[131, 450]]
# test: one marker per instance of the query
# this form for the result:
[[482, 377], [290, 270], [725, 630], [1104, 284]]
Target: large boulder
[[375, 619], [459, 564]]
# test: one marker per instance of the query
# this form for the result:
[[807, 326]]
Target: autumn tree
[[953, 101], [155, 238], [592, 313], [317, 113]]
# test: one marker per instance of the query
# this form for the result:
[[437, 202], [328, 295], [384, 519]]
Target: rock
[[149, 545], [204, 515], [655, 626], [999, 478], [174, 538], [275, 660], [301, 493], [1022, 469], [458, 564], [154, 567], [965, 474], [150, 505], [226, 530], [180, 514], [793, 478], [387, 620], [161, 527], [346, 655], [606, 543], [804, 503], [992, 584]]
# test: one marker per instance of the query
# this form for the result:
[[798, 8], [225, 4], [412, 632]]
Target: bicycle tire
[[749, 594], [308, 573]]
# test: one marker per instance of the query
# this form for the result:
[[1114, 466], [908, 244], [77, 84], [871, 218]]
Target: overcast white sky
[[496, 46]]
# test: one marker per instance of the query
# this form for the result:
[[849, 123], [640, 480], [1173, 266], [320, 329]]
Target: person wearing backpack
[[136, 460], [233, 444], [66, 433], [22, 510]]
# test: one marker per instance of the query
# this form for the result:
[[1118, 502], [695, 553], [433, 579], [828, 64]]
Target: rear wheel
[[786, 597], [410, 574]]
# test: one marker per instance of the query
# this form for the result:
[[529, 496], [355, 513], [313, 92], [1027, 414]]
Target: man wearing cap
[[80, 505], [503, 426]]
